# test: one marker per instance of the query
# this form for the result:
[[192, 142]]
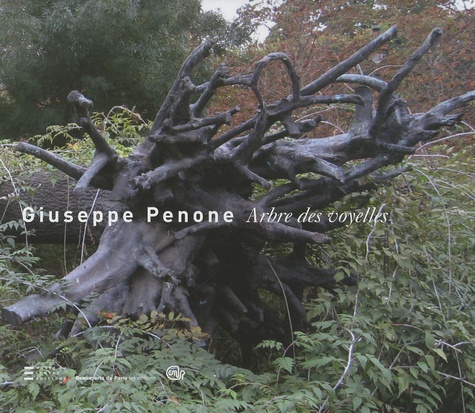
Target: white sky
[[227, 7]]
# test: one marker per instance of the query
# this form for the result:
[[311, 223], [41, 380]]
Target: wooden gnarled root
[[211, 271]]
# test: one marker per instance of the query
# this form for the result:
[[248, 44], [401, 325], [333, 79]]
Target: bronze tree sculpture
[[210, 266]]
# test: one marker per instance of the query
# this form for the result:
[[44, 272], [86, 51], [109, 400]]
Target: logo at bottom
[[175, 373]]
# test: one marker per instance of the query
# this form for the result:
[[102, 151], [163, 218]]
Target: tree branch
[[190, 63], [83, 107], [386, 94], [341, 68], [69, 168]]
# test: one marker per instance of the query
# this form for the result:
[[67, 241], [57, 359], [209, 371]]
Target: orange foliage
[[318, 34]]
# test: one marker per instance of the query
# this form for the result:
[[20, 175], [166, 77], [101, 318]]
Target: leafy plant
[[402, 340]]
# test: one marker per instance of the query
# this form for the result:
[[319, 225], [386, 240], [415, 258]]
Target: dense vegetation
[[121, 52], [402, 340]]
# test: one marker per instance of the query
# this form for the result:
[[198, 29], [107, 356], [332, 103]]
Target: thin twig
[[345, 372], [368, 239], [446, 138], [17, 193], [449, 230], [448, 376], [285, 300], [83, 244]]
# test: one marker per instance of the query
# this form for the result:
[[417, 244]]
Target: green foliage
[[121, 127], [402, 340], [115, 52], [410, 318], [121, 366], [17, 262]]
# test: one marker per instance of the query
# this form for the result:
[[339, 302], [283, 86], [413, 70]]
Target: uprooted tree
[[210, 270]]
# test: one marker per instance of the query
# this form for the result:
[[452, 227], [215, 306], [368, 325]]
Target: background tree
[[315, 34], [119, 52]]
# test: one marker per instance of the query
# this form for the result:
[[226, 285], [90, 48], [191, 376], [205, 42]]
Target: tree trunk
[[195, 242], [53, 192]]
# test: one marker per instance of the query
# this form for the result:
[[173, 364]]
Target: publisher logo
[[28, 373], [43, 373], [175, 373]]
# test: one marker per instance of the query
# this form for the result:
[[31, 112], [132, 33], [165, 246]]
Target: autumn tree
[[316, 34]]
